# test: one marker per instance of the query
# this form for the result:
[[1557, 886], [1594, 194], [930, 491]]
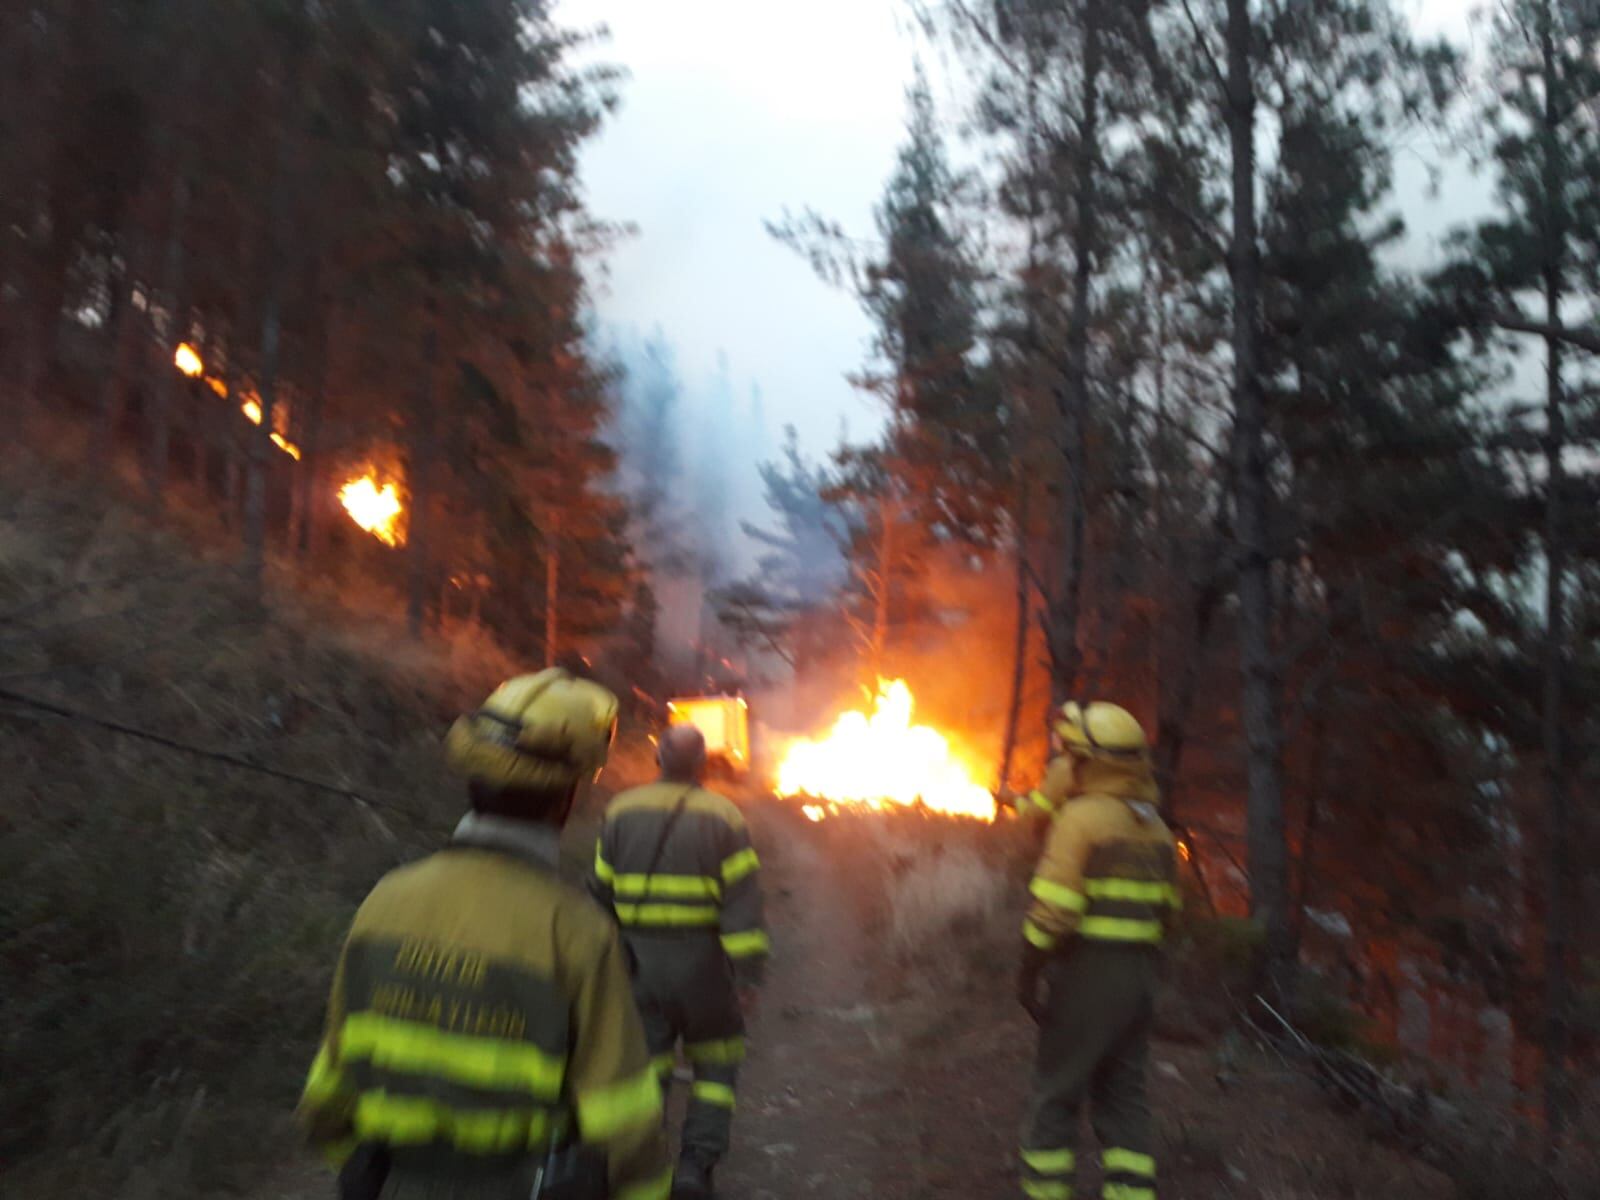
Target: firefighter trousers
[[1094, 1044], [685, 991]]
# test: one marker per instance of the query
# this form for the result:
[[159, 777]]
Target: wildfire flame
[[187, 359], [375, 509], [882, 760]]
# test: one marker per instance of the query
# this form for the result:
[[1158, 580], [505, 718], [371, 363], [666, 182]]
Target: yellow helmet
[[539, 732], [1103, 731]]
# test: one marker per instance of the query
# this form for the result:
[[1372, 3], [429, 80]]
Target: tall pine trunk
[[259, 439], [1065, 659], [1019, 649], [422, 454], [552, 589], [1558, 832], [165, 381], [121, 322], [1269, 871]]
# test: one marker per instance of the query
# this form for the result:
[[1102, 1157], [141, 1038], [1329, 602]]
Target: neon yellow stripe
[[719, 1094], [1059, 895], [411, 1120], [736, 866], [659, 1188], [1130, 1162], [1050, 1162], [602, 869], [1126, 1191], [1046, 1191], [666, 914], [683, 887], [1139, 890], [749, 944], [717, 1054], [662, 1064], [603, 1113], [1037, 936], [325, 1080], [415, 1049], [1040, 801], [1120, 929]]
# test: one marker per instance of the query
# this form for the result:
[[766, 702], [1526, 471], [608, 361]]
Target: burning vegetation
[[880, 760]]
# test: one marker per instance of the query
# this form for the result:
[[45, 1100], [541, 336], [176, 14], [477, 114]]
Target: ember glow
[[187, 360], [881, 760], [375, 509]]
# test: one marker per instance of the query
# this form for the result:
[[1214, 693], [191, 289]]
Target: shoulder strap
[[666, 832]]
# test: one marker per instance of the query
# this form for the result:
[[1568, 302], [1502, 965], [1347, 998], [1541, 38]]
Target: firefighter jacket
[[481, 1012], [1109, 868], [707, 880]]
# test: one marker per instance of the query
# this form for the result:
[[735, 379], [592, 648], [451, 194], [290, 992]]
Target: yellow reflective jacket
[[707, 876], [481, 1011], [1109, 872]]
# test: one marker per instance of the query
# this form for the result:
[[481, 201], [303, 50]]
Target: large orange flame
[[375, 509], [881, 760]]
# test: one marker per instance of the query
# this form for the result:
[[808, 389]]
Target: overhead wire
[[180, 746]]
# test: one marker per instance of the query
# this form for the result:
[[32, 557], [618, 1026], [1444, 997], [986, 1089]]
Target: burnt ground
[[873, 1077]]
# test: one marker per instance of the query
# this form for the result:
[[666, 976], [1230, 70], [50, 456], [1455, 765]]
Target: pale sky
[[737, 109]]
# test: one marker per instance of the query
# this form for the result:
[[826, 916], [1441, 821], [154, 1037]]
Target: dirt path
[[815, 1098]]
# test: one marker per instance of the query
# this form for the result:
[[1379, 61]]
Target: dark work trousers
[[686, 993], [1094, 1044]]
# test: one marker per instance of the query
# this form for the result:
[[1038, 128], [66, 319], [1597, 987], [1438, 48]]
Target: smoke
[[691, 444]]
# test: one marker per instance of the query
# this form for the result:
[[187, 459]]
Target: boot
[[692, 1179]]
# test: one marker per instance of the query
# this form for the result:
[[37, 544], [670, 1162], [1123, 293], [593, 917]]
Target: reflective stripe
[[1126, 1191], [1038, 937], [662, 1064], [603, 1113], [745, 945], [1120, 929], [717, 1054], [1050, 1162], [335, 1153], [325, 1080], [1129, 1162], [736, 866], [707, 1092], [1046, 1191], [683, 887], [409, 1048], [659, 1188], [1146, 890], [1040, 801], [602, 869], [665, 914], [1059, 895], [414, 1120]]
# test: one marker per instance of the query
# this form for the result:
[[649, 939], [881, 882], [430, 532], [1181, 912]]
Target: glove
[[1033, 960]]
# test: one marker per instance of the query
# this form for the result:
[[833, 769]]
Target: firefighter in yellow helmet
[[1104, 895], [482, 1035]]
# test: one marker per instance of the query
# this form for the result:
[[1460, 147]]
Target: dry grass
[[168, 924]]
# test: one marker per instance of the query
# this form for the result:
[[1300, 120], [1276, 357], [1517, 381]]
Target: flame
[[880, 760], [187, 359], [251, 411], [377, 510]]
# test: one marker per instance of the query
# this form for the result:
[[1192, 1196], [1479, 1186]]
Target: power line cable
[[218, 756]]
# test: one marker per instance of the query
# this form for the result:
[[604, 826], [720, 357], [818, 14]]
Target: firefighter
[[481, 1027], [675, 863], [1104, 895]]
